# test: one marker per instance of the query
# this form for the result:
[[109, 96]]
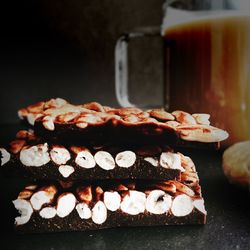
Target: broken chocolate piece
[[140, 203], [38, 159], [92, 121]]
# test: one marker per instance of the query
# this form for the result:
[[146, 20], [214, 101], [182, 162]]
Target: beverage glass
[[206, 62]]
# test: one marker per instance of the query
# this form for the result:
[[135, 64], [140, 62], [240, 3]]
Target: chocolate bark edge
[[137, 162], [114, 220], [91, 194], [57, 117]]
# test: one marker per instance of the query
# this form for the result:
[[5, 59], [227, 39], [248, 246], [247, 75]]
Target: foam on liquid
[[175, 17]]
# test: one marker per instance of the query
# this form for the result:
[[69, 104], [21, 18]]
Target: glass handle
[[121, 62]]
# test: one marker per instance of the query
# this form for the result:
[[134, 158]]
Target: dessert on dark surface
[[33, 157], [94, 122], [83, 205], [97, 167]]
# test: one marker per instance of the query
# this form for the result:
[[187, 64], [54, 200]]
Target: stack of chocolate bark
[[96, 167]]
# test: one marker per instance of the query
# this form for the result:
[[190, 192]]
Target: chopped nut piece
[[173, 124], [184, 117], [48, 123], [67, 117], [131, 118], [202, 133], [160, 114], [121, 187], [31, 187], [89, 118], [85, 194], [17, 145], [25, 194], [82, 124], [167, 186], [98, 193], [94, 106], [183, 188], [128, 111], [202, 118]]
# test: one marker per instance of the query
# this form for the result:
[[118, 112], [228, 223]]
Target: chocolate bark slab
[[114, 220], [31, 156], [108, 204], [92, 121], [49, 172]]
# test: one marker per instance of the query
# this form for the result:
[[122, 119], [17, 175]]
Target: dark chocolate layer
[[140, 170], [114, 220], [123, 204], [32, 157], [92, 121]]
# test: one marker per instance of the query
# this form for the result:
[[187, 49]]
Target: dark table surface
[[228, 220]]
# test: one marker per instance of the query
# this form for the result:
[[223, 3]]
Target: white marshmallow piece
[[65, 204], [199, 204], [40, 198], [134, 203], [35, 156], [158, 202], [25, 210], [5, 156], [182, 205], [99, 213], [104, 160], [85, 159], [112, 200], [125, 159], [66, 170], [171, 160], [152, 161], [83, 210], [48, 212], [59, 155]]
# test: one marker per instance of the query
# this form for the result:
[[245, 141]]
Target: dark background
[[65, 49]]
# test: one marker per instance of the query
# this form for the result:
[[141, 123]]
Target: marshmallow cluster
[[190, 127], [41, 154], [49, 204]]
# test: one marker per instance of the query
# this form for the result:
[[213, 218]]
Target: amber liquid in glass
[[208, 70]]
